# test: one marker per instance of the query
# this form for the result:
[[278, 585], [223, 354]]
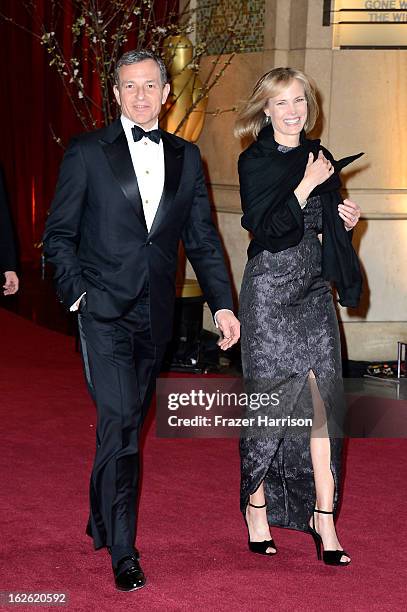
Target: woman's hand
[[316, 172], [350, 212]]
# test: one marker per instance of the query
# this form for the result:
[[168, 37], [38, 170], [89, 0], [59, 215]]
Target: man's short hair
[[133, 57]]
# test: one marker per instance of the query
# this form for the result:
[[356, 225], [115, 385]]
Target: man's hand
[[11, 284], [230, 328]]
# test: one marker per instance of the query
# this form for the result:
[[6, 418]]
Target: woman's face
[[288, 113]]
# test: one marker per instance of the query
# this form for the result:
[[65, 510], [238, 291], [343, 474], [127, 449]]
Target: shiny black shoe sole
[[136, 588]]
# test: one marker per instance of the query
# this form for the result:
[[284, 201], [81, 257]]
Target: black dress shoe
[[128, 575]]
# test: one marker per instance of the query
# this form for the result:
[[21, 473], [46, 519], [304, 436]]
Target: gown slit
[[255, 485]]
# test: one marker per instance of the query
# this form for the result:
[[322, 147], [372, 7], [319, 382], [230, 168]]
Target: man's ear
[[116, 94], [166, 91]]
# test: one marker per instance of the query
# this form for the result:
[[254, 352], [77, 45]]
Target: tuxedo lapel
[[173, 163], [117, 152]]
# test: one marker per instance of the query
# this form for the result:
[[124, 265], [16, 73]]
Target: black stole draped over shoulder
[[272, 214]]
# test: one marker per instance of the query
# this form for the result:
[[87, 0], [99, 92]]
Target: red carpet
[[192, 538]]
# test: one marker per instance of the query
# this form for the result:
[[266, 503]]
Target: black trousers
[[121, 365]]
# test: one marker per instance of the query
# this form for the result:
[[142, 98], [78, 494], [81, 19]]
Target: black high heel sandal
[[260, 548], [330, 557]]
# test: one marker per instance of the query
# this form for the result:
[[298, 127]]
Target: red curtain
[[33, 105]]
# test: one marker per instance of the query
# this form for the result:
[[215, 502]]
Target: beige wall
[[363, 98]]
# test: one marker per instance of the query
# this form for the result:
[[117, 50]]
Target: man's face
[[140, 92]]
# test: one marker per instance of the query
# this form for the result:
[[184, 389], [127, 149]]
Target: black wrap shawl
[[272, 214]]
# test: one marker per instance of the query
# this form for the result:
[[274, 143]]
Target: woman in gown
[[290, 340]]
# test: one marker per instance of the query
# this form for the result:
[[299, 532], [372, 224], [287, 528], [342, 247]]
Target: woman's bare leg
[[324, 482]]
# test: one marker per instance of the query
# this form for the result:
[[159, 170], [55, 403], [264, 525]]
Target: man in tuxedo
[[8, 256], [126, 195]]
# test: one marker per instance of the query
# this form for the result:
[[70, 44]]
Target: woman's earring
[[267, 119]]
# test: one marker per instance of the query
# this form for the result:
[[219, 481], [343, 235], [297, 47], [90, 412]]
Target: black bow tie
[[139, 133]]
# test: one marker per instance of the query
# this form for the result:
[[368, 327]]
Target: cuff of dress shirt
[[75, 305], [217, 312]]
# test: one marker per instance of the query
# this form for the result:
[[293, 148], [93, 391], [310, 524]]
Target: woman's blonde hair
[[251, 117]]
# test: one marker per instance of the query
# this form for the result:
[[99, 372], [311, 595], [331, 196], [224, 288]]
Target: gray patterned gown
[[289, 327]]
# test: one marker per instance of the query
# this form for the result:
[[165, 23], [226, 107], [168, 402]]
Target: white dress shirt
[[148, 164]]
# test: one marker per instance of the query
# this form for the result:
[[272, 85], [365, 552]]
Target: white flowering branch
[[99, 32]]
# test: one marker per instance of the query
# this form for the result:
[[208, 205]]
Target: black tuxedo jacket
[[8, 257], [96, 236]]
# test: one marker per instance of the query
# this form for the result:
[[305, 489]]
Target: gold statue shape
[[186, 88]]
